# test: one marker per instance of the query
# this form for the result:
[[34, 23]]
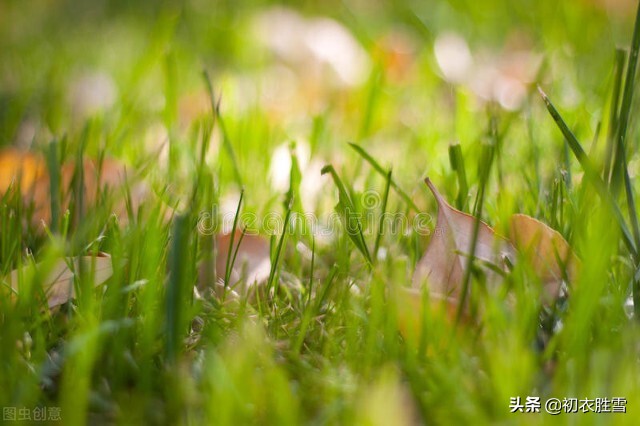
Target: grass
[[331, 338]]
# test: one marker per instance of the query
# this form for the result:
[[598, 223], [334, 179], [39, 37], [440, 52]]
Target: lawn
[[336, 212]]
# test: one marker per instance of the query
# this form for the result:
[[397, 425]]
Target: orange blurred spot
[[21, 167]]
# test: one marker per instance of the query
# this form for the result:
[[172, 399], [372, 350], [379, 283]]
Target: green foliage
[[324, 341]]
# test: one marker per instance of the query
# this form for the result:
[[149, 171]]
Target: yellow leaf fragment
[[30, 171], [19, 166], [443, 264], [548, 252]]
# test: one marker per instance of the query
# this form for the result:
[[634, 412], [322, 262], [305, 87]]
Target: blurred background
[[395, 76], [404, 79]]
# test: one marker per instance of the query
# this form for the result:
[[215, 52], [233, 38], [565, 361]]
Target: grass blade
[[457, 164], [295, 179], [177, 287], [486, 161], [591, 174], [276, 258], [377, 167], [383, 211], [627, 98], [346, 208], [376, 82], [631, 203], [614, 114], [53, 165], [226, 141], [313, 261], [229, 264]]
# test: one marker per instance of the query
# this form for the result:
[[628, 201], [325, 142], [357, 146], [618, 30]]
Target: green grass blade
[[347, 210], [627, 97], [375, 85], [591, 174], [53, 166], [312, 269], [226, 141], [614, 114], [237, 249], [383, 211], [377, 167], [229, 264], [295, 178], [278, 254], [631, 203], [486, 161], [177, 288], [457, 164], [170, 89]]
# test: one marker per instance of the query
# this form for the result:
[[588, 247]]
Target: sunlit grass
[[333, 336]]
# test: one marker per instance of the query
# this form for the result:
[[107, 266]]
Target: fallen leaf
[[114, 177], [58, 285], [548, 252], [252, 264], [19, 165], [443, 265], [411, 316], [31, 170]]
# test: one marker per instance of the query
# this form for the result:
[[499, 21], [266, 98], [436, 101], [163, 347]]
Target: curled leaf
[[548, 252], [58, 284], [443, 265]]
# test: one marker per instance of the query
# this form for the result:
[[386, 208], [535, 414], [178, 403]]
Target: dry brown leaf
[[110, 176], [410, 317], [31, 169], [443, 264], [16, 164], [252, 264], [549, 253], [58, 285]]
